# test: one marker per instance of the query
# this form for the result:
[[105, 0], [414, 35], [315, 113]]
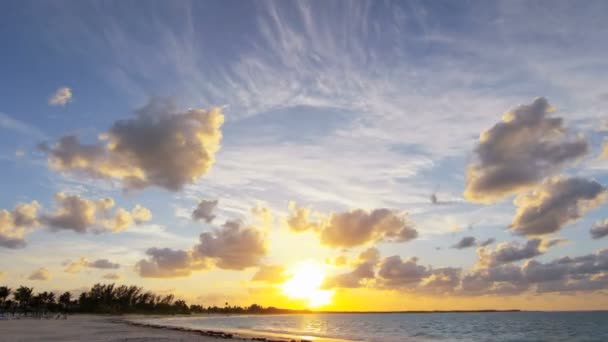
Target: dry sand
[[89, 328]]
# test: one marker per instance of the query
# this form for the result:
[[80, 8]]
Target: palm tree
[[4, 293], [65, 299], [23, 295]]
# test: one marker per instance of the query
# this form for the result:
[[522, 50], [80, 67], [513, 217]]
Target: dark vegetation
[[112, 299]]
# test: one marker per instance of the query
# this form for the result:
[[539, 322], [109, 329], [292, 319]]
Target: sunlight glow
[[305, 282]]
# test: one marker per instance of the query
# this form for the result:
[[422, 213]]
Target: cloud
[[40, 274], [470, 241], [508, 252], [78, 265], [75, 266], [395, 272], [340, 260], [364, 270], [358, 227], [204, 210], [354, 228], [371, 254], [566, 274], [441, 281], [112, 276], [103, 264], [16, 223], [519, 151], [9, 123], [160, 147], [486, 242], [272, 274], [234, 246], [169, 263], [352, 279], [61, 97], [600, 230], [82, 215], [555, 203], [299, 219], [500, 280], [141, 214], [466, 242], [75, 213]]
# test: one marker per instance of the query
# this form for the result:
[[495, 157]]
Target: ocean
[[394, 327]]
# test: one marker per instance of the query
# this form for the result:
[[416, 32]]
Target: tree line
[[112, 299]]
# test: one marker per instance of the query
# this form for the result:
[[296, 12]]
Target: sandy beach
[[88, 328], [94, 328]]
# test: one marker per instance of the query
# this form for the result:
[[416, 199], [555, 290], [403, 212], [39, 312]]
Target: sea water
[[393, 327]]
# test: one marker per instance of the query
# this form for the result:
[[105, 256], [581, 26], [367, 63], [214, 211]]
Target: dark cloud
[[508, 252], [395, 272], [470, 241], [408, 275], [234, 246], [351, 279], [356, 227], [169, 263], [12, 242], [555, 203], [487, 242], [204, 211], [466, 242], [103, 264], [583, 273], [566, 274], [441, 281], [600, 230], [500, 280], [159, 147], [526, 146]]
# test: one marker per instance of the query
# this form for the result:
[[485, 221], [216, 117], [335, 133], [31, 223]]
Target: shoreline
[[235, 334]]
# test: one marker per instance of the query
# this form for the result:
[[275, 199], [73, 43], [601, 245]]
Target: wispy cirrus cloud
[[20, 127]]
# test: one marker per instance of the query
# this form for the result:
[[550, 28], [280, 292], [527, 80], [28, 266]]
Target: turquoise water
[[507, 326]]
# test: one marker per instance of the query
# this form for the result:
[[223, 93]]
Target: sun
[[305, 283]]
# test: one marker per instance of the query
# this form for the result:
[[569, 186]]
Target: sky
[[343, 155]]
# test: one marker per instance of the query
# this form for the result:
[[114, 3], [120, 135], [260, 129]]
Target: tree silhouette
[[4, 293], [112, 299], [23, 295], [65, 299]]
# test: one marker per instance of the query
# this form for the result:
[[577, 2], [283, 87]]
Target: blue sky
[[333, 105]]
